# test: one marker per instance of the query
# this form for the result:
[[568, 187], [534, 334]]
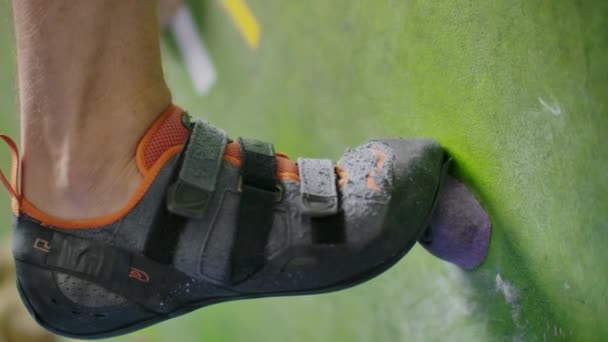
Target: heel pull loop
[[13, 185]]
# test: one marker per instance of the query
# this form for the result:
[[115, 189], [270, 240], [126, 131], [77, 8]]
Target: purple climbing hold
[[460, 228]]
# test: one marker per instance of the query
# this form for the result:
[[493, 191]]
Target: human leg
[[90, 83]]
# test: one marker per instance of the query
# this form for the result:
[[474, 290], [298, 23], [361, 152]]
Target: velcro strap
[[259, 164], [133, 276], [253, 229], [318, 187], [201, 160], [256, 208]]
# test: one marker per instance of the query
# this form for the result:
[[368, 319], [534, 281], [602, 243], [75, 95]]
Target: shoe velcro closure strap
[[201, 160], [255, 218], [259, 164], [139, 279], [256, 209], [318, 187]]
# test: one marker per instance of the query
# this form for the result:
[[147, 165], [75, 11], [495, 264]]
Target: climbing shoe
[[216, 220]]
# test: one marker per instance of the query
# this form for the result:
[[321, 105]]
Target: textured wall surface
[[516, 90]]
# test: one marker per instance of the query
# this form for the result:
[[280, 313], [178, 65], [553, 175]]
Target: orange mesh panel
[[285, 167], [233, 152], [170, 133]]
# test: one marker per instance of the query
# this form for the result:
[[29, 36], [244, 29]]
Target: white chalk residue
[[457, 306], [511, 294], [551, 108], [443, 302]]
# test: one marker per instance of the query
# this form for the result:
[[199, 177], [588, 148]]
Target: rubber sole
[[211, 301]]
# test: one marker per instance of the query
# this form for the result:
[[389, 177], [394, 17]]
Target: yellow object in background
[[245, 21]]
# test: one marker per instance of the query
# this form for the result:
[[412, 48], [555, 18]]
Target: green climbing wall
[[516, 90]]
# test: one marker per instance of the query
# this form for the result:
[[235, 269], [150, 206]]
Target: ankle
[[89, 171], [87, 190]]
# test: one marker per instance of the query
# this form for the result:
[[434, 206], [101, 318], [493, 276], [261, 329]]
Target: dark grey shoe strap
[[318, 187], [259, 195], [201, 160]]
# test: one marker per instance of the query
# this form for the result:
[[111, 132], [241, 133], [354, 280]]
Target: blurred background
[[515, 90]]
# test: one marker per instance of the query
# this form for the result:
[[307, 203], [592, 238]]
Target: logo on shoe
[[42, 245], [139, 275]]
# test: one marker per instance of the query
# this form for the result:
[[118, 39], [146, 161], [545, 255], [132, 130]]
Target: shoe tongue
[[167, 132]]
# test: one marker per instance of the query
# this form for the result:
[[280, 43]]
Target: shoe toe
[[390, 192]]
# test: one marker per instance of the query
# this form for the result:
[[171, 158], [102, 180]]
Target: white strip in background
[[193, 50]]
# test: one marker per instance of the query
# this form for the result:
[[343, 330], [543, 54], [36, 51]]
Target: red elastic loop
[[12, 186]]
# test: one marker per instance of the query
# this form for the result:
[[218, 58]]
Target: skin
[[90, 83]]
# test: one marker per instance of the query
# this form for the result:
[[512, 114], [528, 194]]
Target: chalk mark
[[511, 295], [552, 108]]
